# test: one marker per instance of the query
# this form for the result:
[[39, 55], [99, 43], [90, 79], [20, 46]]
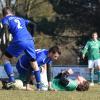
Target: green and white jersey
[[56, 84], [93, 49], [72, 85]]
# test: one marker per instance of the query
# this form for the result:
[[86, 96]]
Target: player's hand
[[43, 69], [70, 71], [83, 56], [51, 89], [28, 88]]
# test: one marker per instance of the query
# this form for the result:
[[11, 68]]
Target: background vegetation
[[67, 23]]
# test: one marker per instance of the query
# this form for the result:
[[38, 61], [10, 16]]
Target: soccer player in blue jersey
[[44, 58], [22, 42]]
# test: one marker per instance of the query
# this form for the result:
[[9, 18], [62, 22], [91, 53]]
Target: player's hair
[[55, 49], [6, 10], [83, 87], [93, 32]]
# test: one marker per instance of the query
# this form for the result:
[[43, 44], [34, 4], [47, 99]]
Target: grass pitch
[[92, 94]]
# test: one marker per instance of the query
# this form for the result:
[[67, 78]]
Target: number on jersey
[[18, 23]]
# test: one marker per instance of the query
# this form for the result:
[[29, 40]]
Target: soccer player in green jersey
[[62, 83], [92, 48]]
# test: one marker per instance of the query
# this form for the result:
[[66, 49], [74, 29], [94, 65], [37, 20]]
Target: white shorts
[[44, 81], [93, 63]]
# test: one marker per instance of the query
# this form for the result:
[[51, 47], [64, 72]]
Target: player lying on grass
[[62, 82], [44, 58]]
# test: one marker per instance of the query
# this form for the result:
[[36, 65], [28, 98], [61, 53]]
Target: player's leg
[[7, 66], [21, 71], [28, 48], [23, 75], [91, 69], [30, 52], [97, 64], [36, 72], [14, 49], [98, 74]]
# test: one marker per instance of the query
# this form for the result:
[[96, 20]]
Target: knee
[[5, 58], [34, 65], [98, 67]]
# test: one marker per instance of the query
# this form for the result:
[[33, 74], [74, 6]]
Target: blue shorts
[[18, 47], [21, 71]]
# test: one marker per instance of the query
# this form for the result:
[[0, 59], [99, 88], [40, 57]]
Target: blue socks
[[38, 78], [9, 70], [92, 75], [98, 75]]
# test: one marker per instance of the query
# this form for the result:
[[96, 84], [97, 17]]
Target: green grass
[[92, 94]]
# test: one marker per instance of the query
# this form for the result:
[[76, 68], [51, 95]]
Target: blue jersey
[[17, 27], [41, 57]]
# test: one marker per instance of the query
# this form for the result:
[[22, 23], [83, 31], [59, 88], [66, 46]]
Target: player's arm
[[1, 30], [4, 29], [68, 72], [85, 50], [28, 78], [99, 46], [43, 68], [31, 26], [49, 74], [64, 77]]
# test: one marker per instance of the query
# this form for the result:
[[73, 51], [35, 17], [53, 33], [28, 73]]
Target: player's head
[[94, 35], [83, 84], [54, 52], [83, 87], [7, 11]]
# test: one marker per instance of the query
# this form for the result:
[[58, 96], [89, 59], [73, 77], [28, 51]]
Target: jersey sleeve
[[99, 44], [85, 48], [50, 63], [27, 21], [49, 73], [5, 25], [5, 21], [72, 85]]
